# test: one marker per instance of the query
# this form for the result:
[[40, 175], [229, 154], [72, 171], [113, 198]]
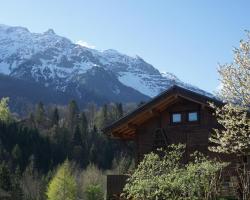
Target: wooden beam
[[154, 112], [190, 99], [132, 126]]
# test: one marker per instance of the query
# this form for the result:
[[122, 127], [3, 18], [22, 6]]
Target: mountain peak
[[111, 51], [17, 29], [55, 61], [49, 32]]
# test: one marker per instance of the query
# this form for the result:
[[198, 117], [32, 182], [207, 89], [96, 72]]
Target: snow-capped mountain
[[57, 63]]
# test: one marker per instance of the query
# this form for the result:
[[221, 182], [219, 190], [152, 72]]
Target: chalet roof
[[125, 126]]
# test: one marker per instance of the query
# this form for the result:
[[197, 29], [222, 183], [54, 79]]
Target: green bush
[[94, 192], [162, 177]]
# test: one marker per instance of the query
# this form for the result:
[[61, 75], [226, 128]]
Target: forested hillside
[[33, 147]]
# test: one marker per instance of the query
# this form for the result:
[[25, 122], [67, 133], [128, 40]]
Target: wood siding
[[194, 134]]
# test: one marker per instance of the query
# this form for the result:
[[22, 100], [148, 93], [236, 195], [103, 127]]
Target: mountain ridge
[[55, 62]]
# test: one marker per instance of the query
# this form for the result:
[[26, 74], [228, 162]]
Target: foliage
[[40, 113], [17, 193], [235, 77], [41, 141], [92, 182], [63, 184], [162, 176], [5, 177], [233, 135], [5, 114], [234, 117], [10, 183], [55, 116], [17, 154], [32, 183], [72, 114], [123, 164], [94, 192]]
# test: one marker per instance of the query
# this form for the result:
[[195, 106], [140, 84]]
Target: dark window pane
[[192, 116], [176, 117]]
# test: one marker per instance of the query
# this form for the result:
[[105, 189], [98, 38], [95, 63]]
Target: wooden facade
[[166, 120]]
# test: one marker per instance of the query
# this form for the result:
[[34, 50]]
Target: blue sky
[[185, 37]]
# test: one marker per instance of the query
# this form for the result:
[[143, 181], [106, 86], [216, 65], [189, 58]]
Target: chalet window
[[176, 117], [193, 116]]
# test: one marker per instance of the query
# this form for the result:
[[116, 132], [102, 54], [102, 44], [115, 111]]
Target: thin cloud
[[85, 44]]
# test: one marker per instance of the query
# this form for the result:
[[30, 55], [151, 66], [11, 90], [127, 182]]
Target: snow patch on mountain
[[85, 44], [138, 82], [4, 68], [57, 62]]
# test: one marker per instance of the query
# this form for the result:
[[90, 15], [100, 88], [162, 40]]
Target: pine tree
[[5, 177], [32, 120], [102, 117], [72, 117], [55, 117], [91, 114], [93, 154], [5, 114], [17, 155], [94, 192], [40, 113], [83, 124], [77, 138], [119, 109], [63, 185], [16, 193], [105, 114]]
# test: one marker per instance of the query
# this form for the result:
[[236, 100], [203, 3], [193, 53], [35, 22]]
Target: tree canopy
[[5, 114], [162, 176]]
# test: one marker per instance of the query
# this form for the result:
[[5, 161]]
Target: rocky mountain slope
[[56, 63]]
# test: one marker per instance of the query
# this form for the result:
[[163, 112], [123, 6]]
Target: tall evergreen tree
[[63, 185], [102, 118], [16, 193], [5, 114], [91, 114], [17, 155], [5, 177], [77, 137], [55, 117], [119, 109], [40, 113], [72, 115], [83, 125], [105, 114], [32, 120]]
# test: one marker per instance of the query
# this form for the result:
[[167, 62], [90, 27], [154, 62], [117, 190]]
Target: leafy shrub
[[162, 176], [94, 192]]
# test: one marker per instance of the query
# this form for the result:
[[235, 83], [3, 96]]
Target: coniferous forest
[[33, 148]]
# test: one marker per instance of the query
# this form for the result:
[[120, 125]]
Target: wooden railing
[[115, 185]]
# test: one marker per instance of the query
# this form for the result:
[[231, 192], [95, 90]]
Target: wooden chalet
[[177, 115]]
